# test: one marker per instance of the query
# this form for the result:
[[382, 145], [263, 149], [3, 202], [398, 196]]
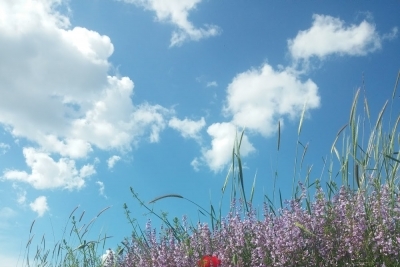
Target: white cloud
[[21, 197], [176, 12], [220, 154], [188, 128], [101, 188], [196, 164], [4, 148], [39, 205], [212, 84], [148, 118], [112, 160], [329, 35], [47, 173], [21, 194], [392, 35], [106, 257], [56, 92], [258, 98]]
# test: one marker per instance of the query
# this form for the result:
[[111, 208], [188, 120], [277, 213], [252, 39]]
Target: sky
[[100, 96]]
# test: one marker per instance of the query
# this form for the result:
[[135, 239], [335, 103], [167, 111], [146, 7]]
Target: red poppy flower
[[209, 261]]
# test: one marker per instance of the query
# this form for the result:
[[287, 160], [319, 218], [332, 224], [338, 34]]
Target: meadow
[[352, 218]]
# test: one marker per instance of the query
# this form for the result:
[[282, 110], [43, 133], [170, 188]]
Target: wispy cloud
[[112, 160], [212, 84], [101, 188], [21, 197], [196, 163], [89, 108], [4, 148], [188, 128], [39, 205], [176, 12]]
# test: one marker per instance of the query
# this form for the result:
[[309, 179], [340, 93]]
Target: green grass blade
[[337, 136], [279, 134], [395, 85], [165, 196], [302, 118], [252, 188]]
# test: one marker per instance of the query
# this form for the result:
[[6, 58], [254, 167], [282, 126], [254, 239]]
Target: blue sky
[[100, 96]]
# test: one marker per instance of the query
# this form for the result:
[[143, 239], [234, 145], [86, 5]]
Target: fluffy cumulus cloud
[[223, 137], [56, 92], [47, 173], [39, 205], [258, 98], [329, 35], [176, 12], [188, 128]]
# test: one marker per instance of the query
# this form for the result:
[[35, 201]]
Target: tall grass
[[353, 219], [73, 250]]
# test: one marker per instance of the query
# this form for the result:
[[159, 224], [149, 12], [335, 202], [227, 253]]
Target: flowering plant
[[209, 261]]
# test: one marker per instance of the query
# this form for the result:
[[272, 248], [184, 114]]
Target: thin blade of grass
[[252, 188], [302, 118], [354, 106], [357, 175], [73, 212], [226, 179], [241, 181], [80, 218], [378, 121], [395, 85], [212, 211], [394, 132], [279, 134], [271, 204], [303, 155], [29, 241], [336, 153], [337, 136], [103, 210], [392, 158], [30, 230], [308, 206], [165, 196], [366, 107]]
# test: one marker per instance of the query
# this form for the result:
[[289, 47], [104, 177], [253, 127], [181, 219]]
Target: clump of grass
[[353, 219], [64, 253]]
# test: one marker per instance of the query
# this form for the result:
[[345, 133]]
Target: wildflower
[[209, 261]]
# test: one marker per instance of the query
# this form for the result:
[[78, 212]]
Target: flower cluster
[[351, 229]]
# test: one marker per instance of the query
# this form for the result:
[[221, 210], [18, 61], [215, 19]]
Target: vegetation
[[354, 222]]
